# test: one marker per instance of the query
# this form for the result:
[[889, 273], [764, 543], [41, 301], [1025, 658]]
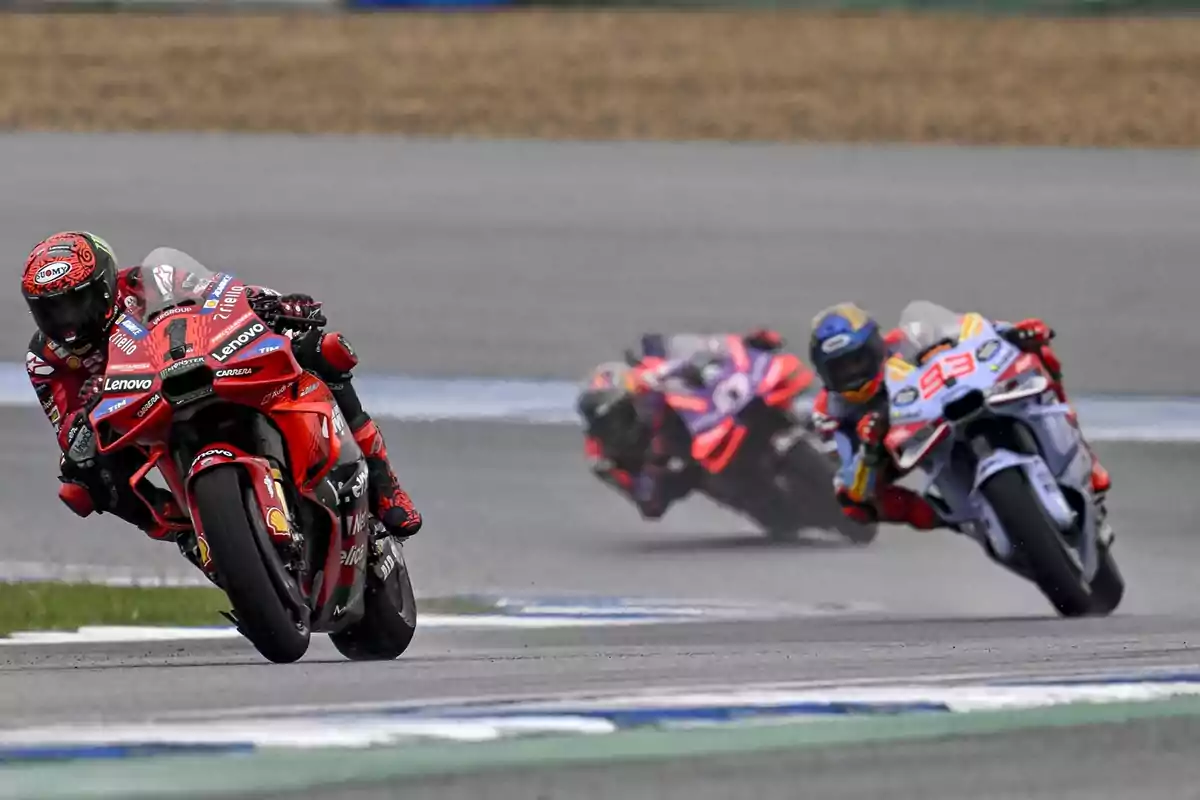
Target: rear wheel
[[1054, 570], [239, 546], [390, 616]]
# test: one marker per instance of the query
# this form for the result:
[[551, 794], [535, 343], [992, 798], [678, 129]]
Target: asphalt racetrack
[[534, 260]]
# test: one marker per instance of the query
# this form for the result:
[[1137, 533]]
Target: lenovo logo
[[131, 384]]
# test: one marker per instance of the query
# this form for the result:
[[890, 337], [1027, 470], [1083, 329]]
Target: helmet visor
[[854, 369], [74, 314]]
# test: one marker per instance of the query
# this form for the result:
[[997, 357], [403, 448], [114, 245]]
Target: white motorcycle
[[1004, 459]]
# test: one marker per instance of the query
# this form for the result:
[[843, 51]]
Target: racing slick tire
[[390, 616], [239, 546], [1055, 573]]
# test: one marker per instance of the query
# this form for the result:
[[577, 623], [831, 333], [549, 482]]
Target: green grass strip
[[67, 606], [280, 770], [47, 606]]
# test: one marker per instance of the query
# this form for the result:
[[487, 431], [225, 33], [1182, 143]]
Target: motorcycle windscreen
[[925, 325], [171, 278]]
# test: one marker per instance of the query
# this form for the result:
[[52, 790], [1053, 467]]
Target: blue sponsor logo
[[132, 327], [210, 302], [110, 407], [268, 345]]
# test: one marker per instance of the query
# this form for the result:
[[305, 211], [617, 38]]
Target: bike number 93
[[955, 366]]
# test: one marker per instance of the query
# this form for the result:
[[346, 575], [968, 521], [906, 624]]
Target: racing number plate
[[935, 377]]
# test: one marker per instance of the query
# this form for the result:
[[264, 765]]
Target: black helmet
[[70, 286], [608, 410]]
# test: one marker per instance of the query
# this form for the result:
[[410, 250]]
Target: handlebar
[[315, 321]]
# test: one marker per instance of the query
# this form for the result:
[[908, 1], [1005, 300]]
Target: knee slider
[[76, 497]]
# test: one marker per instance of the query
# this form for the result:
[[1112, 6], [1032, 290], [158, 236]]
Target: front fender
[[1041, 479], [271, 503]]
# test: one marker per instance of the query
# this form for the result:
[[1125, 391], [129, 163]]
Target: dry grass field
[[607, 75]]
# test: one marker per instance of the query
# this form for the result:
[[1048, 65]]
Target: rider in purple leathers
[[631, 434]]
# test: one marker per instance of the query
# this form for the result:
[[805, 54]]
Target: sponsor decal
[[310, 387], [360, 485], [82, 448], [130, 302], [357, 524], [170, 312], [193, 282], [133, 383], [267, 348], [278, 523], [238, 341], [235, 372], [233, 326], [123, 343], [353, 556], [339, 422], [987, 351], [228, 302], [131, 326], [205, 553], [36, 366], [385, 566], [274, 395], [209, 455], [131, 366], [180, 366], [270, 484], [836, 342], [905, 397], [109, 407], [210, 302], [149, 404], [51, 272], [164, 279]]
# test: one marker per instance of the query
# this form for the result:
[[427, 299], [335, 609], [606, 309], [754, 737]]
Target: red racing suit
[[68, 381], [864, 483]]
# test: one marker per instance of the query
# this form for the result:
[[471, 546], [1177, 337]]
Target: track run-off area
[[478, 281]]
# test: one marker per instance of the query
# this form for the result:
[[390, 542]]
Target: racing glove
[[764, 339], [872, 428], [1030, 335], [1033, 336], [82, 488], [270, 306]]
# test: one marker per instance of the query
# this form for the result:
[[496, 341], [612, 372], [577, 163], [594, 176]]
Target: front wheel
[[239, 548], [390, 617], [1054, 571]]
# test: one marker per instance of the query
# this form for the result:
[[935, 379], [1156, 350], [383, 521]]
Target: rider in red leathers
[[849, 352], [75, 293]]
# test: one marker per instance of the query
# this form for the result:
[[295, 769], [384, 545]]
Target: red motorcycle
[[257, 453]]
